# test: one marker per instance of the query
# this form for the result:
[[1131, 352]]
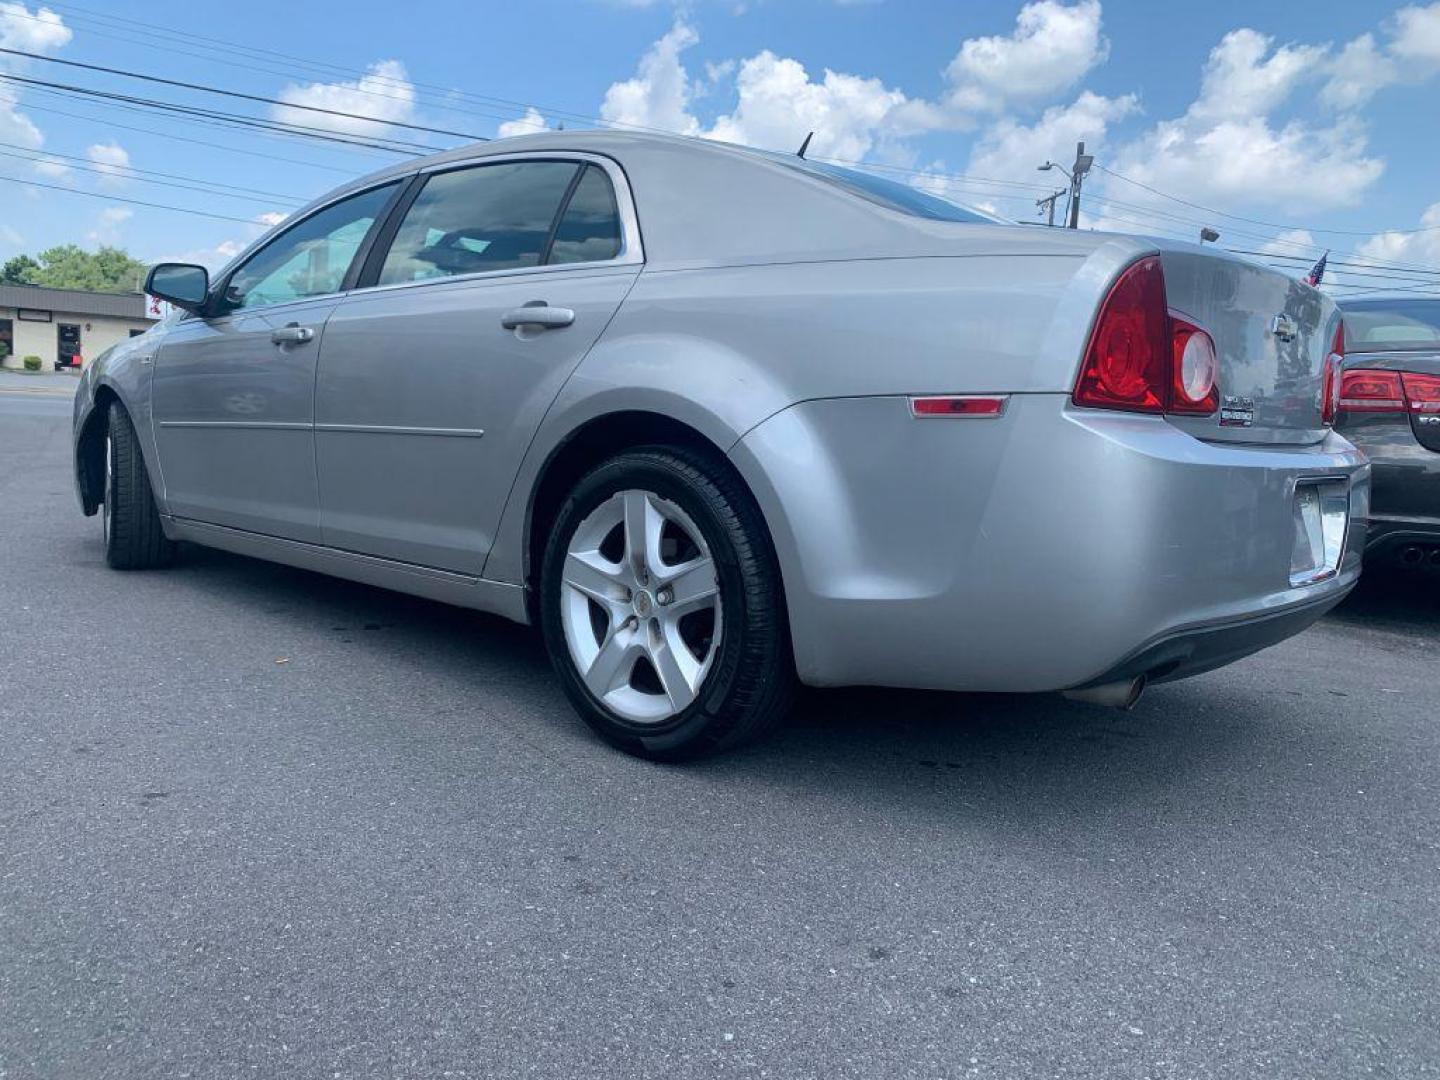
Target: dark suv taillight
[[1141, 358]]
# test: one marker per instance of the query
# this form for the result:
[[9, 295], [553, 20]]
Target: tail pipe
[[1117, 695]]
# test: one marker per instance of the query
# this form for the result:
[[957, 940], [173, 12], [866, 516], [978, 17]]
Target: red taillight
[[959, 405], [1128, 362], [1330, 391], [1363, 390], [1422, 392], [1143, 359], [1195, 369]]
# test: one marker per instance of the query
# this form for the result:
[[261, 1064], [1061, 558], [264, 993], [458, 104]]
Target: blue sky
[[1305, 116]]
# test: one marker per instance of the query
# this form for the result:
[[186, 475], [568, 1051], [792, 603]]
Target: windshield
[[890, 194], [1392, 324]]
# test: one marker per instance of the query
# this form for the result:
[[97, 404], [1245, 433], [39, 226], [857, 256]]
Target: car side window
[[486, 217], [589, 230], [311, 258]]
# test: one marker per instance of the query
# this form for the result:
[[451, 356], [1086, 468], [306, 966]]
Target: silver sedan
[[721, 421]]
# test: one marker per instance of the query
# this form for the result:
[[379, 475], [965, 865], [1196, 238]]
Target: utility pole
[[1048, 204], [1083, 161]]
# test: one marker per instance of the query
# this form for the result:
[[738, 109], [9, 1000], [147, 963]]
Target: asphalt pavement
[[255, 822]]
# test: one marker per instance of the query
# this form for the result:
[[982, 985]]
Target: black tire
[[751, 681], [134, 539]]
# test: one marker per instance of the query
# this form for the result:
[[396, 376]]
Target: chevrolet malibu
[[721, 422]]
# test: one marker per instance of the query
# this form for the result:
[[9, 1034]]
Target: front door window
[[311, 258]]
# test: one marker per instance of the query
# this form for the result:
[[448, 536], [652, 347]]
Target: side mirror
[[183, 284]]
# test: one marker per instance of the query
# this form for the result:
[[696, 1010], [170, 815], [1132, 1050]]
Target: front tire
[[134, 539], [662, 607]]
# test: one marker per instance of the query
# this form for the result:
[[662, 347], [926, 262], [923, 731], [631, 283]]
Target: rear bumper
[[1048, 549], [1195, 650]]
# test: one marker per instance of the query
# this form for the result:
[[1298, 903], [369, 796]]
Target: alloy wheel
[[640, 606], [107, 518]]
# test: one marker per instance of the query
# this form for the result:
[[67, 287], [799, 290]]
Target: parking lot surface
[[258, 822]]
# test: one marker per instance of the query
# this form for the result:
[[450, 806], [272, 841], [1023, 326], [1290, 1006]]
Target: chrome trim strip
[[592, 268], [253, 425], [394, 429]]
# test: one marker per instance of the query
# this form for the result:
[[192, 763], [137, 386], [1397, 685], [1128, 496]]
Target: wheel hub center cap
[[643, 603]]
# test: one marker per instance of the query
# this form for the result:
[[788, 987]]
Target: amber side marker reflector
[[959, 405]]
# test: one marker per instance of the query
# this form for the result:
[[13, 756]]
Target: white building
[[59, 325]]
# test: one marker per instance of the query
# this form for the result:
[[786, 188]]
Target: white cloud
[[1417, 34], [1010, 150], [1225, 148], [1243, 78], [383, 96], [1296, 167], [1410, 247], [1291, 242], [271, 218], [18, 129], [108, 224], [528, 124], [52, 169], [1361, 69], [779, 104], [778, 101], [1053, 45], [1411, 54], [111, 160], [38, 31], [659, 94]]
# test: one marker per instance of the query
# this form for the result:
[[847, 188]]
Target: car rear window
[[1399, 324], [890, 194]]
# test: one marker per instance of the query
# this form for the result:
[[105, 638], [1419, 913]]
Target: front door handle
[[294, 334], [537, 313]]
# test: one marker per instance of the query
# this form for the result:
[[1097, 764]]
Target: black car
[[1390, 408]]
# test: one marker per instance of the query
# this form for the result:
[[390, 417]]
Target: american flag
[[1317, 271]]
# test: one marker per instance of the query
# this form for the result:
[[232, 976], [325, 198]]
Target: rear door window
[[488, 217], [589, 230]]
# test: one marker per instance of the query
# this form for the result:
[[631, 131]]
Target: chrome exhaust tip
[[1116, 695]]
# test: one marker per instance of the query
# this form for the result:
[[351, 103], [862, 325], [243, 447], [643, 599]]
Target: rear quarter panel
[[723, 348]]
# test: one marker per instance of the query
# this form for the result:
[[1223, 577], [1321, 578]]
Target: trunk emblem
[[1284, 327], [1237, 411]]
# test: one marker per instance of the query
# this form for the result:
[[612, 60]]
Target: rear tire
[[134, 538], [738, 679]]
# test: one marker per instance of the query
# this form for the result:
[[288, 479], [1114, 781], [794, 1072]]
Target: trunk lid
[[1273, 335]]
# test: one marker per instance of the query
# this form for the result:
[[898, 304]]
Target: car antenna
[[804, 145]]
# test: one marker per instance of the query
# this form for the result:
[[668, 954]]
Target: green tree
[[21, 270], [72, 267]]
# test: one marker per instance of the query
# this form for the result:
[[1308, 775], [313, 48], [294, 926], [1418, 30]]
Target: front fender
[[121, 373]]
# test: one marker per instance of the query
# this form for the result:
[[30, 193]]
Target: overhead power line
[[1257, 221], [202, 88], [30, 106], [129, 172], [397, 146], [230, 49], [132, 202]]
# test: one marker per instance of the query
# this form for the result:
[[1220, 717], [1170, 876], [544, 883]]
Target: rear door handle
[[537, 313], [294, 334]]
